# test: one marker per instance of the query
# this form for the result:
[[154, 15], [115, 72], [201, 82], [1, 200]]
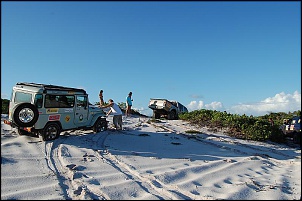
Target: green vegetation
[[241, 126], [5, 106]]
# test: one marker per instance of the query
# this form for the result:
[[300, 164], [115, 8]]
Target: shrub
[[5, 106], [241, 126]]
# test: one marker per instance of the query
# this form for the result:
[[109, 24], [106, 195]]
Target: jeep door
[[81, 110]]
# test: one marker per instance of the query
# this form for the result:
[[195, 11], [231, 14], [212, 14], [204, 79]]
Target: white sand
[[148, 161]]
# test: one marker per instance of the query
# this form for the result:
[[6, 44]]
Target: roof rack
[[51, 87]]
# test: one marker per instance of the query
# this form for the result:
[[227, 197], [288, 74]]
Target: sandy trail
[[147, 161]]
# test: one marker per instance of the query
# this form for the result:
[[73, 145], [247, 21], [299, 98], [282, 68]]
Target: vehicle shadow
[[206, 147]]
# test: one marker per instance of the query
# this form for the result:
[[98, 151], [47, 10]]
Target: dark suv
[[292, 128]]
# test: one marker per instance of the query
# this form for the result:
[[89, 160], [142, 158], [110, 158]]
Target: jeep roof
[[45, 88]]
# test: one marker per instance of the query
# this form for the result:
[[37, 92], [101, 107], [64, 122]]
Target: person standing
[[101, 98], [117, 114], [129, 104]]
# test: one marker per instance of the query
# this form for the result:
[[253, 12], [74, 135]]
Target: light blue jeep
[[47, 110]]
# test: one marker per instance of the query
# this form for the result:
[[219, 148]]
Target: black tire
[[172, 115], [156, 115], [296, 138], [22, 132], [105, 124], [51, 131], [25, 115], [100, 125]]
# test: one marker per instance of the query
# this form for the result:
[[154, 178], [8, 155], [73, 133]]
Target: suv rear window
[[21, 97]]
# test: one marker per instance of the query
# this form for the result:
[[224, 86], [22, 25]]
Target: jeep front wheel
[[51, 131], [100, 125], [25, 115]]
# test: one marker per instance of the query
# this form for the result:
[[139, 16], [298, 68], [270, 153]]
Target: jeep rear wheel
[[25, 115], [100, 125], [51, 131]]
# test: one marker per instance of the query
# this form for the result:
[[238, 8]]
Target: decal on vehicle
[[52, 110], [69, 110], [81, 117], [54, 117], [67, 118]]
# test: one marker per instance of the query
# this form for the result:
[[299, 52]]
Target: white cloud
[[193, 105], [214, 106], [279, 103]]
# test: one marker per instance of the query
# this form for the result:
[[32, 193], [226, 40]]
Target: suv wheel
[[172, 115], [51, 131], [156, 115], [100, 125], [25, 115], [296, 138]]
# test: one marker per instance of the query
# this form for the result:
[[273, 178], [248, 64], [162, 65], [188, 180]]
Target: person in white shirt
[[116, 112]]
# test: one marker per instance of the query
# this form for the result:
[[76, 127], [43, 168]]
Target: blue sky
[[240, 57]]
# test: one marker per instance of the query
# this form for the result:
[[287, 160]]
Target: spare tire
[[25, 115]]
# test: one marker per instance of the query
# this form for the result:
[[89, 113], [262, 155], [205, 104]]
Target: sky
[[240, 57]]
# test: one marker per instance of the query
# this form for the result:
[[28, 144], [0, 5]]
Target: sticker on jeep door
[[55, 117], [52, 110], [67, 118], [68, 110]]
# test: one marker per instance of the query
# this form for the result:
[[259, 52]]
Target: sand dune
[[147, 161]]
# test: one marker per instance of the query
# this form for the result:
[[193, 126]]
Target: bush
[[241, 126], [5, 106]]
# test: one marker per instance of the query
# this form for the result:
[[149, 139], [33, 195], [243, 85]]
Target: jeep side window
[[66, 101], [59, 101], [81, 101], [38, 100], [50, 101], [21, 97]]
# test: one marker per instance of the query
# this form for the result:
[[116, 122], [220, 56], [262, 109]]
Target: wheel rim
[[100, 127], [26, 115], [51, 132]]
